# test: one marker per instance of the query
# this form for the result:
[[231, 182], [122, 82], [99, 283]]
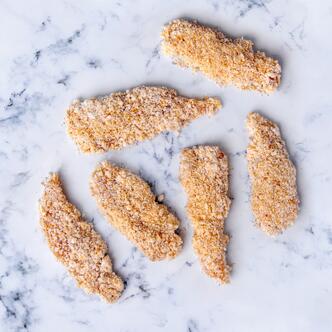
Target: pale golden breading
[[274, 199], [226, 61], [123, 118], [76, 244], [204, 176], [129, 205]]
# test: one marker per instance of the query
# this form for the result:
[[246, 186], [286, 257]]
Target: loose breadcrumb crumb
[[274, 199], [129, 205], [75, 244], [204, 176], [123, 118], [226, 61]]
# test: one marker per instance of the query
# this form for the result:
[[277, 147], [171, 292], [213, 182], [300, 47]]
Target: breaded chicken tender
[[129, 205], [76, 244], [274, 199], [123, 118], [226, 61], [204, 176]]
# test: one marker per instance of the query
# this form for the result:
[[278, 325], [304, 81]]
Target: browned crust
[[123, 118], [204, 176], [76, 244], [129, 205], [274, 198], [226, 61]]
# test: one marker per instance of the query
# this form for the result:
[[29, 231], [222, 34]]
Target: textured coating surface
[[124, 118], [130, 206], [226, 61], [274, 199], [76, 244], [204, 176]]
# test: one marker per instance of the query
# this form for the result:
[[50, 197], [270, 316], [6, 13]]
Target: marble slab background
[[55, 51]]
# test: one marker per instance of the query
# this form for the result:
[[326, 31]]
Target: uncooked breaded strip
[[204, 176], [75, 244], [226, 61], [129, 205], [123, 118], [274, 199]]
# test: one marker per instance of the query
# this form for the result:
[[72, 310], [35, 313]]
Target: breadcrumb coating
[[129, 205], [123, 118], [76, 244], [274, 198], [204, 176], [226, 61]]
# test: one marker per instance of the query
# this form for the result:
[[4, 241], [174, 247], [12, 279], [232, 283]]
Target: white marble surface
[[55, 51]]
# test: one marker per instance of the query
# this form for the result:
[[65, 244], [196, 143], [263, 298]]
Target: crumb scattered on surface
[[226, 61], [204, 176], [130, 206], [274, 199], [160, 198], [123, 118], [76, 244]]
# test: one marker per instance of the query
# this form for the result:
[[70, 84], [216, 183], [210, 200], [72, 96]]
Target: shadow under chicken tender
[[274, 198], [76, 244], [124, 118], [129, 205], [204, 176], [226, 61]]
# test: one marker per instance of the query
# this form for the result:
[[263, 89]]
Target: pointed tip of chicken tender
[[274, 198], [129, 205], [123, 118], [75, 243], [226, 61], [204, 176]]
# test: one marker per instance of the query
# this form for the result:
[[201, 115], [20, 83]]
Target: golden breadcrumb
[[129, 205], [204, 176], [123, 118], [226, 61], [75, 244], [274, 199]]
